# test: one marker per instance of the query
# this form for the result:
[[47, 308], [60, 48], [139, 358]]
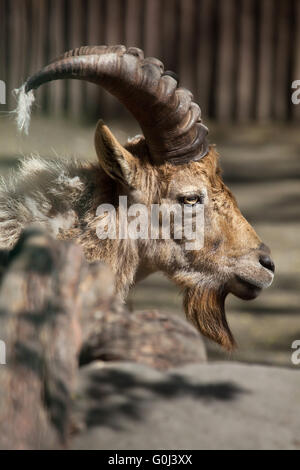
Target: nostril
[[267, 262]]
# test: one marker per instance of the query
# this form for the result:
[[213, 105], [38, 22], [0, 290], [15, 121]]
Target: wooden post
[[56, 48], [4, 45], [265, 62], [17, 49], [169, 35], [245, 78], [39, 325], [187, 46], [280, 96], [204, 54], [133, 23], [76, 40], [38, 43], [95, 35], [226, 58], [152, 28], [113, 35]]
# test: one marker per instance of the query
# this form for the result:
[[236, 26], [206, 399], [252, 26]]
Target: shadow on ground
[[134, 391]]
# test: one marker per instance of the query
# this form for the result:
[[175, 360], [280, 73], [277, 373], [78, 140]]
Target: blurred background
[[239, 58]]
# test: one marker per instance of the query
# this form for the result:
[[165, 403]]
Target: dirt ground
[[262, 167]]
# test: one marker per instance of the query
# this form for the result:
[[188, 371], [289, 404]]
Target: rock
[[55, 307], [204, 406], [156, 339]]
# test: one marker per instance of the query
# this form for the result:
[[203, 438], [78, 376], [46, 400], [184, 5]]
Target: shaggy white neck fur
[[23, 109]]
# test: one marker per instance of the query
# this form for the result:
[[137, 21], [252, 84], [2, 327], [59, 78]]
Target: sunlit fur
[[63, 196]]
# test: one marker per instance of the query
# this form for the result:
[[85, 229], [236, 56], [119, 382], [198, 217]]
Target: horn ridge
[[170, 120]]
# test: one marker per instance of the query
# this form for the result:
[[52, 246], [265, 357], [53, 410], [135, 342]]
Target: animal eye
[[192, 200]]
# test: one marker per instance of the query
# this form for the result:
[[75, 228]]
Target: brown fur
[[72, 192]]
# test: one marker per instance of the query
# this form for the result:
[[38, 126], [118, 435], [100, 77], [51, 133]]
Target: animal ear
[[115, 160]]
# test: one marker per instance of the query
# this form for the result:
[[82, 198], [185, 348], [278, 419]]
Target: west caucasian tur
[[171, 163]]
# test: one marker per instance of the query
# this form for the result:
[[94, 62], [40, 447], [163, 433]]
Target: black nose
[[267, 262]]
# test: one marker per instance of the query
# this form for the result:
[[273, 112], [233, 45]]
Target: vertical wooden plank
[[3, 49], [152, 27], [187, 44], [24, 40], [169, 35], [95, 22], [296, 61], [17, 38], [245, 79], [114, 22], [204, 54], [56, 91], [76, 30], [265, 72], [225, 65], [109, 105], [28, 26], [133, 23], [12, 59], [39, 19], [95, 36], [85, 114], [38, 43], [281, 62]]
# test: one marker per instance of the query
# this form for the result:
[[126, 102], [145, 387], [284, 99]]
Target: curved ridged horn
[[169, 119]]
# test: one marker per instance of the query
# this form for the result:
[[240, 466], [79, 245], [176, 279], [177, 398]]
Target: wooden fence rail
[[239, 57]]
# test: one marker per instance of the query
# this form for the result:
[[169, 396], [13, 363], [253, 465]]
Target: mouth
[[244, 288]]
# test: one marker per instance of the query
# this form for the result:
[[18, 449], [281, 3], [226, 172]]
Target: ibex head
[[172, 164]]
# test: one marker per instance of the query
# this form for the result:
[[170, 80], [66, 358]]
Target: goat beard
[[205, 308]]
